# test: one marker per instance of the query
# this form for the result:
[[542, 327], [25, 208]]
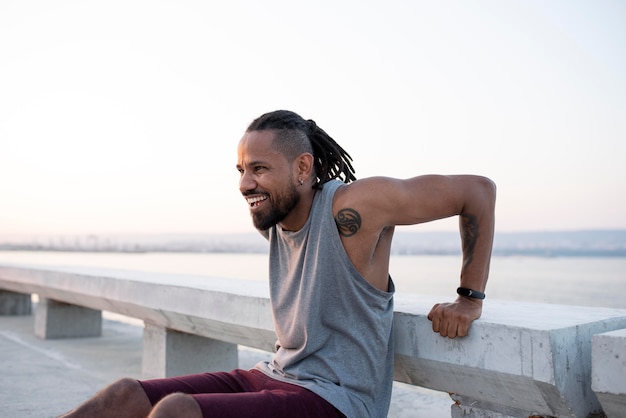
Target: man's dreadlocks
[[294, 135]]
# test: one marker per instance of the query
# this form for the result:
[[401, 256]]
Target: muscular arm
[[476, 224], [383, 203]]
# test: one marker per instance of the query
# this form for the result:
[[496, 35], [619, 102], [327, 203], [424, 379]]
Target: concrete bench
[[608, 366], [520, 359]]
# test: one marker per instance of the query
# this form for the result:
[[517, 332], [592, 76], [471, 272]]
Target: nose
[[246, 182]]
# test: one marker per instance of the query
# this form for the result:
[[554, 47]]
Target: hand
[[454, 319]]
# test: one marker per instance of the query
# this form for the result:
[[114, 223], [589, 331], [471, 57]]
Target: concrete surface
[[168, 353], [44, 378], [608, 376], [520, 358]]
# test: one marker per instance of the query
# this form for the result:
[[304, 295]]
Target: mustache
[[254, 192]]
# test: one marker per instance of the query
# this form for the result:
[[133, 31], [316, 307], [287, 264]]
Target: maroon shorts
[[242, 394]]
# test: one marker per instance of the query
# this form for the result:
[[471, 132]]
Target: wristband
[[464, 291]]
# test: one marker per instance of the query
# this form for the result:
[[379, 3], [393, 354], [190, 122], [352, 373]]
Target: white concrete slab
[[44, 378], [609, 371], [518, 357]]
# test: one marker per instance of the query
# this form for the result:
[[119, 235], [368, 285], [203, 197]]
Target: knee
[[124, 397], [176, 404], [125, 388]]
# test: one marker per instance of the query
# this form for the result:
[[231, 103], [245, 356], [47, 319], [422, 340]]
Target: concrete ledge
[[235, 311], [520, 359], [608, 360]]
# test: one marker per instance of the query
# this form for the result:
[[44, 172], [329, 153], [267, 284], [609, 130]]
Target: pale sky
[[124, 116]]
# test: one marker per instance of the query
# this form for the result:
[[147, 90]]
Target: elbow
[[486, 188], [491, 188]]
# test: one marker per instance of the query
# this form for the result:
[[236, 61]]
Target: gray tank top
[[333, 327]]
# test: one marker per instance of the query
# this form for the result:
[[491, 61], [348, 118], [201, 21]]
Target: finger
[[449, 330], [444, 327], [463, 329], [431, 314], [443, 331], [453, 332], [436, 320]]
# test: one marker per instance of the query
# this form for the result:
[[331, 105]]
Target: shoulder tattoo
[[348, 222]]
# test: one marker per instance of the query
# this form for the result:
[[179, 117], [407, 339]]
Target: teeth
[[253, 200]]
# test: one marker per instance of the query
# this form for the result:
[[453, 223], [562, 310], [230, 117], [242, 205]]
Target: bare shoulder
[[363, 204], [388, 192], [387, 201], [366, 189]]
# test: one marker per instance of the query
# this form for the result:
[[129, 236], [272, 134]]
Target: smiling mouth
[[256, 200]]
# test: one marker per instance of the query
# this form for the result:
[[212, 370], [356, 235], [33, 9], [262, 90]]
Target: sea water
[[583, 281]]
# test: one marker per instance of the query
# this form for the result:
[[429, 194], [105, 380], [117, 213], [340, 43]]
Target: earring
[[301, 182]]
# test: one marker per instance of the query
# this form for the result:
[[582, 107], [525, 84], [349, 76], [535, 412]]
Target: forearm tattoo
[[348, 222], [469, 231]]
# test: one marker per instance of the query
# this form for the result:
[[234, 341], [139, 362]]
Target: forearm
[[476, 224]]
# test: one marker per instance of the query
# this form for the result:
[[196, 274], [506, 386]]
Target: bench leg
[[608, 371], [12, 303], [169, 353], [55, 319]]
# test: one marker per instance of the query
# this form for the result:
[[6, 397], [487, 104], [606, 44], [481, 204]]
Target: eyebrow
[[253, 163]]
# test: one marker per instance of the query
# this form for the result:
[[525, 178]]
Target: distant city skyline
[[598, 243], [123, 117]]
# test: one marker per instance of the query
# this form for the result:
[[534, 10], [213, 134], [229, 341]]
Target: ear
[[303, 165]]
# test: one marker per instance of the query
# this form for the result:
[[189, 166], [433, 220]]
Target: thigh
[[271, 403], [202, 383], [242, 394]]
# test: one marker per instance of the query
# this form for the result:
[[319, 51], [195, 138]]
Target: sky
[[124, 116]]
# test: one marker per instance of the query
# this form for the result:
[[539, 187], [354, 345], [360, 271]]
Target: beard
[[278, 209]]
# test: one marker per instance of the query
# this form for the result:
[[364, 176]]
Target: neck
[[300, 214]]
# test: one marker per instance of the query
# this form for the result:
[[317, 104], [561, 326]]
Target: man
[[330, 289]]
